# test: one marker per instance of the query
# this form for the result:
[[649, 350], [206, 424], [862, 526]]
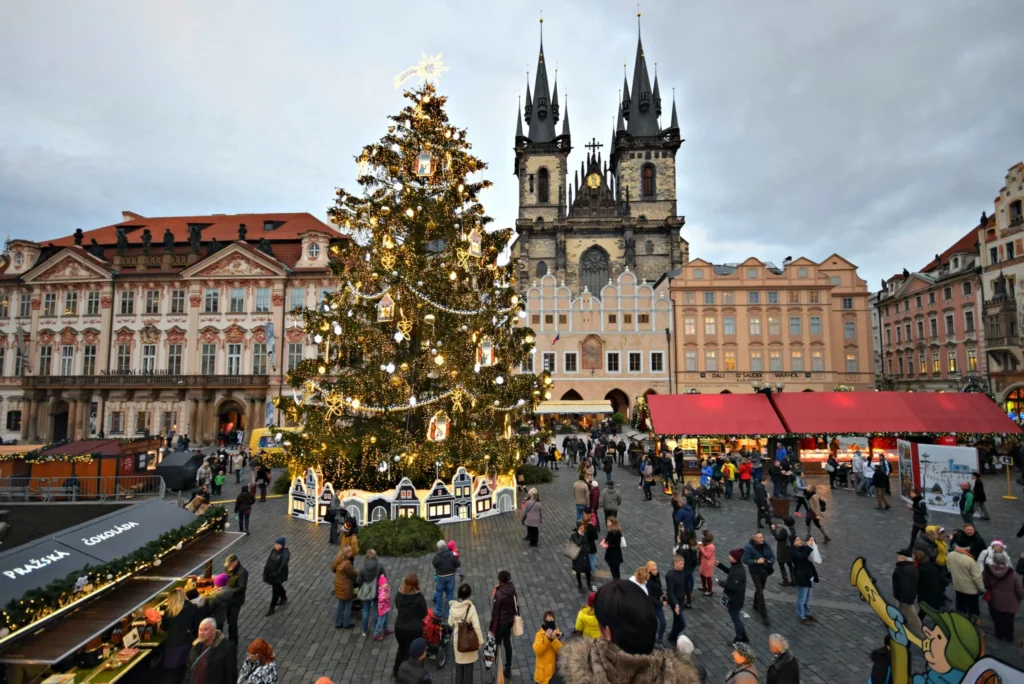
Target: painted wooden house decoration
[[440, 503], [378, 507], [385, 309], [485, 352], [405, 503], [462, 489], [356, 509], [324, 502], [506, 499], [476, 242], [483, 499], [302, 497]]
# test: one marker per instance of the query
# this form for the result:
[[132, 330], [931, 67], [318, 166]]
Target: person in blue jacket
[[685, 516], [705, 474]]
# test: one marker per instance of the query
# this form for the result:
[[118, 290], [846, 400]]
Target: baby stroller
[[437, 636], [842, 475], [707, 496]]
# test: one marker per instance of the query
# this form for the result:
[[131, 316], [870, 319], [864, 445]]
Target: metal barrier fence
[[74, 489]]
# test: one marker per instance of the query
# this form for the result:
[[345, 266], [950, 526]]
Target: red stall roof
[[713, 414], [898, 412]]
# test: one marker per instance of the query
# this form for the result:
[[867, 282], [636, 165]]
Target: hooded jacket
[[546, 651], [275, 571], [610, 498], [596, 661], [986, 556], [685, 517], [1005, 585], [941, 543], [586, 623]]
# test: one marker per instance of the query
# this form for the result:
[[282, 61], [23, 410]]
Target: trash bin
[[780, 507]]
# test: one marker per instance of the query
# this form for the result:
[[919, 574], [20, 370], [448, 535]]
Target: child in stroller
[[438, 636], [708, 495], [842, 476]]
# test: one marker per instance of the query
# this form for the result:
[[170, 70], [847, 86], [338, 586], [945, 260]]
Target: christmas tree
[[416, 347]]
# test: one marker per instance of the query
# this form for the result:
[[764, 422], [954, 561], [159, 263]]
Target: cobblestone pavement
[[834, 650]]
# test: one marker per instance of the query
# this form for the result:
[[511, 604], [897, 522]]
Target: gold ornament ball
[[404, 366], [373, 439], [385, 210]]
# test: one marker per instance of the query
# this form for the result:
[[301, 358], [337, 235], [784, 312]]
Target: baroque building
[[153, 325], [618, 211]]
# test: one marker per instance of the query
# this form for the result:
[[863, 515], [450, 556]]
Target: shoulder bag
[[571, 550], [368, 591], [518, 627], [466, 641]]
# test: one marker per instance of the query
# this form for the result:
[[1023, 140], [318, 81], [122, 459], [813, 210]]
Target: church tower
[[542, 154], [644, 154]]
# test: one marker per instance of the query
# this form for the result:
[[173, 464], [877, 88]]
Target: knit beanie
[[736, 555]]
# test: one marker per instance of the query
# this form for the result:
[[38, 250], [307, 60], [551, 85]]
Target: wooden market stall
[[151, 546], [705, 425]]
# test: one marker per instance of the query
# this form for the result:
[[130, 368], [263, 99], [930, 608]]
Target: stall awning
[[66, 635], [713, 414], [577, 406], [895, 412]]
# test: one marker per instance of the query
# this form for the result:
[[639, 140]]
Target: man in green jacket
[[966, 503]]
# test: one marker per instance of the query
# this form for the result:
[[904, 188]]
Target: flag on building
[[557, 337]]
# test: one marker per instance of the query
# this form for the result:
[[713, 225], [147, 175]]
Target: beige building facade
[[615, 347], [806, 326]]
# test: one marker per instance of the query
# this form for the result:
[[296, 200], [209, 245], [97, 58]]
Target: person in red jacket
[[746, 475]]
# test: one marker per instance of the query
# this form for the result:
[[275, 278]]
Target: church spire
[[565, 119], [545, 115], [657, 93], [675, 119], [554, 98], [519, 120], [624, 109], [642, 114], [529, 100]]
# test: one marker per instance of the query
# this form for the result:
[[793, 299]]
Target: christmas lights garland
[[37, 604]]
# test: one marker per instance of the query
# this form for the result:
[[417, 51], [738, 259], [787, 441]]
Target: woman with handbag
[[576, 551], [612, 545], [367, 581], [463, 618], [531, 516], [505, 618]]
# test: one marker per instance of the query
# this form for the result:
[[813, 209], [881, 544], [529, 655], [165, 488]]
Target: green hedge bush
[[533, 475], [281, 484], [401, 537], [618, 418]]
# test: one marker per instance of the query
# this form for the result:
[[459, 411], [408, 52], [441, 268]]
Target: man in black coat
[[904, 589], [735, 589], [784, 668], [620, 449], [212, 658], [238, 582], [761, 500], [275, 573]]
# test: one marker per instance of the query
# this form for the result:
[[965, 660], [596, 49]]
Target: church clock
[[594, 180]]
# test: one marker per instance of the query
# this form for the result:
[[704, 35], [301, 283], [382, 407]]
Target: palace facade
[[157, 325]]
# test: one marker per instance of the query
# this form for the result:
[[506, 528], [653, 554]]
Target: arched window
[[543, 186], [647, 177], [594, 271], [542, 269]]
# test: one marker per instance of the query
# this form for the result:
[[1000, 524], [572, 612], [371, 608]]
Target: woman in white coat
[[463, 611]]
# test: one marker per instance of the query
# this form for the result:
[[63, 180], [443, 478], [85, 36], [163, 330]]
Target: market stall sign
[[121, 533], [36, 564]]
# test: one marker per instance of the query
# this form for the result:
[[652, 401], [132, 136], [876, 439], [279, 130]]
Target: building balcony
[[145, 380]]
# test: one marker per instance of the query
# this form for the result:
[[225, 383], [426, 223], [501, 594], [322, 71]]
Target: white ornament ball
[[383, 367], [397, 458], [396, 148], [397, 187], [227, 525], [109, 576], [465, 328], [337, 329], [4, 632], [500, 380], [394, 274], [157, 562], [495, 402], [318, 339], [398, 337], [522, 314], [390, 368], [419, 283], [180, 546]]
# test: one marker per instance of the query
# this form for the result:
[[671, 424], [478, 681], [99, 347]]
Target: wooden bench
[[49, 493], [12, 492]]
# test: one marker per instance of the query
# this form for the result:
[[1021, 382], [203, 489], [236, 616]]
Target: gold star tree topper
[[428, 71]]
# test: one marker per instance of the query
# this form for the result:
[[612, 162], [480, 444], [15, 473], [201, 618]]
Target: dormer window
[[314, 250], [956, 263], [645, 102], [19, 259], [271, 225]]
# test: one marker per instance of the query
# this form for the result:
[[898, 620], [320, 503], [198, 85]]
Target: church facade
[[618, 211]]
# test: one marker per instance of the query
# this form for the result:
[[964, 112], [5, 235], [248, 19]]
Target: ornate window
[[542, 269], [594, 269], [592, 353], [647, 186], [543, 186]]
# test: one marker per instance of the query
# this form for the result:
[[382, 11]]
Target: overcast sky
[[876, 129]]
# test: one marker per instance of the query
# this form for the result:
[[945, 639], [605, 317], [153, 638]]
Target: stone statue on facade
[[122, 242], [213, 247], [265, 246], [560, 255], [147, 240], [95, 249], [241, 232], [78, 236], [195, 238], [629, 245], [168, 241]]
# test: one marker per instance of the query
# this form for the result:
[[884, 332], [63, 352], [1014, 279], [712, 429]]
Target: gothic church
[[617, 213]]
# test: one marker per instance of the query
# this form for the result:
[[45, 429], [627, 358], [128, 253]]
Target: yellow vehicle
[[266, 440]]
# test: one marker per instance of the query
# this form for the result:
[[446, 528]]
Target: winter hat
[[220, 580], [279, 540], [591, 598], [684, 645], [441, 543], [736, 555], [417, 648], [744, 650], [998, 541]]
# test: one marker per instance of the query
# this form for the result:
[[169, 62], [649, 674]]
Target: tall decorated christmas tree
[[417, 346]]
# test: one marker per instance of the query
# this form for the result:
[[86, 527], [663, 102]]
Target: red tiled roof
[[223, 227], [964, 244]]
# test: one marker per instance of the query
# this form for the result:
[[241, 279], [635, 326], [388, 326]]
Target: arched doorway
[[1014, 405], [230, 419], [572, 395], [649, 393], [59, 418], [620, 402]]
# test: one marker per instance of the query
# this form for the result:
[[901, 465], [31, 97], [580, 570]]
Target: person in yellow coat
[[546, 646], [586, 620]]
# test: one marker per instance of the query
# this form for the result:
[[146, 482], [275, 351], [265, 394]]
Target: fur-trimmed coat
[[596, 661]]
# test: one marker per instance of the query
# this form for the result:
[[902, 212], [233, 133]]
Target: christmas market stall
[[82, 604], [872, 422], [705, 425], [572, 415]]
